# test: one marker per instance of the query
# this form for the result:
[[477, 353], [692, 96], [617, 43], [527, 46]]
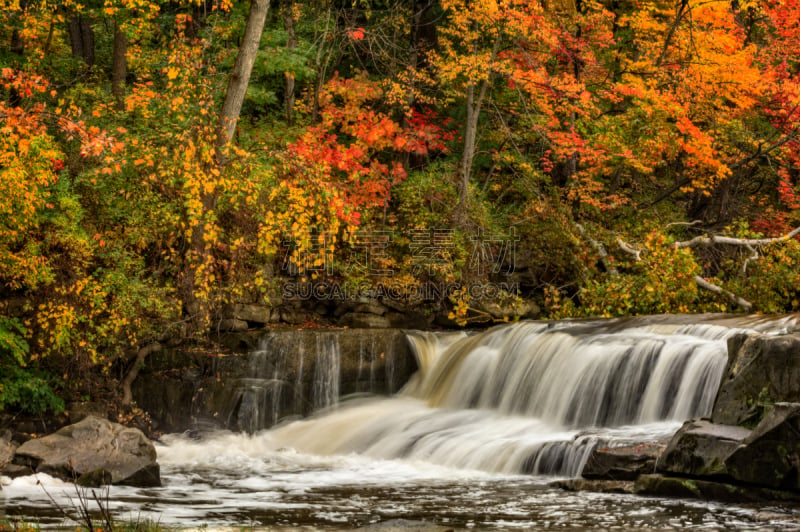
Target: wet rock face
[[622, 463], [770, 455], [761, 370], [97, 449], [281, 374], [700, 448], [694, 488]]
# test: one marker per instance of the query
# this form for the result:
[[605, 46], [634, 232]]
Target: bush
[[22, 387]]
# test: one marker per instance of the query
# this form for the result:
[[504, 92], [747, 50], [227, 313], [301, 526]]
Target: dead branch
[[630, 250], [688, 224], [737, 300], [706, 241], [753, 256], [701, 282], [600, 249]]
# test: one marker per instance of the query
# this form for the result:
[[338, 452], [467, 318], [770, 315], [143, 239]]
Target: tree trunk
[[81, 38], [196, 309], [474, 102], [240, 77], [470, 135], [119, 67], [133, 372], [680, 10], [321, 62], [291, 43]]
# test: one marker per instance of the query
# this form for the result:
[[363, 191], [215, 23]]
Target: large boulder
[[91, 452], [770, 455], [622, 463], [700, 448], [762, 370]]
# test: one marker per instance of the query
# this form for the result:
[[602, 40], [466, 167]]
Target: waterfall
[[597, 379], [326, 371], [537, 397]]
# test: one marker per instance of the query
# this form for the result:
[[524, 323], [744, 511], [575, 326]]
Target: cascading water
[[326, 372], [532, 397]]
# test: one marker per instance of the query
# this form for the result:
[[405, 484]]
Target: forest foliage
[[567, 149]]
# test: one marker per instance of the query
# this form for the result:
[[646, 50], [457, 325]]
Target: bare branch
[[600, 249], [753, 256], [707, 241], [689, 224], [733, 298], [630, 250]]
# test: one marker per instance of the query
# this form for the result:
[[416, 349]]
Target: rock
[[7, 448], [95, 478], [259, 314], [371, 307], [507, 306], [688, 488], [293, 316], [770, 455], [405, 525], [409, 320], [232, 325], [700, 448], [91, 445], [14, 471], [761, 370], [622, 463], [663, 486], [360, 320], [597, 486]]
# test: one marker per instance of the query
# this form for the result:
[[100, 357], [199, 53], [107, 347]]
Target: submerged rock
[[595, 485], [700, 448], [97, 449], [405, 525]]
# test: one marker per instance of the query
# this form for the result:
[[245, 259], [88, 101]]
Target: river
[[473, 441]]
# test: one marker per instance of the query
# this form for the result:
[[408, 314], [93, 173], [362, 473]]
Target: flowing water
[[472, 441]]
